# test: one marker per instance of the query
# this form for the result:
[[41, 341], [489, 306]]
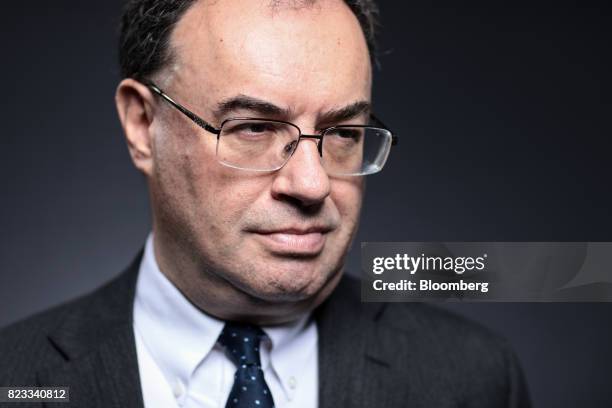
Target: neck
[[218, 297]]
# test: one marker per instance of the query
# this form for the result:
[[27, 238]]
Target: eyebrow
[[244, 102], [268, 109], [351, 111]]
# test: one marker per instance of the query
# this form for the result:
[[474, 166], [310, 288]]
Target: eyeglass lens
[[263, 145]]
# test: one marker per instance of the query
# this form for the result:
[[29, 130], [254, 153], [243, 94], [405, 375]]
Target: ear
[[135, 107]]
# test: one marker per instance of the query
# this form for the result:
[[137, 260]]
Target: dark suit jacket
[[370, 354]]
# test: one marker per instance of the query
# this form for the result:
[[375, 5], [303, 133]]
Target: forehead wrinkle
[[293, 4]]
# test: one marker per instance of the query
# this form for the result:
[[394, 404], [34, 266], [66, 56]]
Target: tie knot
[[241, 342]]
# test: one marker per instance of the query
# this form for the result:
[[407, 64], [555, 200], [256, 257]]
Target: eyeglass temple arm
[[195, 118], [378, 122]]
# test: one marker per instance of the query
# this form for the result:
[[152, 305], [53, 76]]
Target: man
[[251, 122]]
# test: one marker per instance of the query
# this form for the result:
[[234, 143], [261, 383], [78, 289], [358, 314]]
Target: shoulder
[[431, 321], [432, 325], [32, 329], [437, 345], [448, 340], [37, 342], [441, 326], [25, 345]]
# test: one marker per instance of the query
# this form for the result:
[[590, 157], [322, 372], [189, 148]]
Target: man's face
[[278, 236]]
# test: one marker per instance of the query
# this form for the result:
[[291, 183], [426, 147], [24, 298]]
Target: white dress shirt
[[182, 365]]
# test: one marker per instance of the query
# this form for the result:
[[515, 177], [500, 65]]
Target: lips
[[294, 241]]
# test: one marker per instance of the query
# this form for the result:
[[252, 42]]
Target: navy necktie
[[241, 342]]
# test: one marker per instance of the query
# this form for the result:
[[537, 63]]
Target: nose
[[303, 179]]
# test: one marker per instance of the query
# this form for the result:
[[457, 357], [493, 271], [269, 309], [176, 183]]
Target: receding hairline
[[165, 73]]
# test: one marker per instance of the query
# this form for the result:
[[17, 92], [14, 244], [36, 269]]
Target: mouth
[[294, 241]]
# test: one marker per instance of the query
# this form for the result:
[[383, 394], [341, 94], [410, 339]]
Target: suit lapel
[[97, 342], [100, 363], [370, 356], [351, 364], [106, 377]]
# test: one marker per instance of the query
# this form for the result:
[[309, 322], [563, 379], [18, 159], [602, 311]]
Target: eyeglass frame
[[210, 128]]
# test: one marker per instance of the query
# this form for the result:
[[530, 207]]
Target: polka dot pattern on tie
[[241, 342]]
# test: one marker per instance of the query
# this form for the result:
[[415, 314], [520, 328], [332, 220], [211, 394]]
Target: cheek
[[182, 180], [347, 194], [219, 201], [191, 179]]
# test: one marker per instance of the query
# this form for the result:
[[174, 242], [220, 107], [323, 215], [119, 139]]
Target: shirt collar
[[292, 345], [165, 318]]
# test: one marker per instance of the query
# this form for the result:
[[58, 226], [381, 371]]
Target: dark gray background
[[503, 116]]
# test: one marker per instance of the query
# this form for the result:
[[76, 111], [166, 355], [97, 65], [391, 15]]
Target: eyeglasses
[[266, 145]]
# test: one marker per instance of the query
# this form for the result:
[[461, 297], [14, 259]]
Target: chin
[[290, 282]]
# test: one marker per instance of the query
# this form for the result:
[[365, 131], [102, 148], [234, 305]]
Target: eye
[[345, 134], [251, 129], [256, 127]]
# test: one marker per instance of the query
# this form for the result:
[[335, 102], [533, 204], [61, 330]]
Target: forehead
[[289, 55]]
